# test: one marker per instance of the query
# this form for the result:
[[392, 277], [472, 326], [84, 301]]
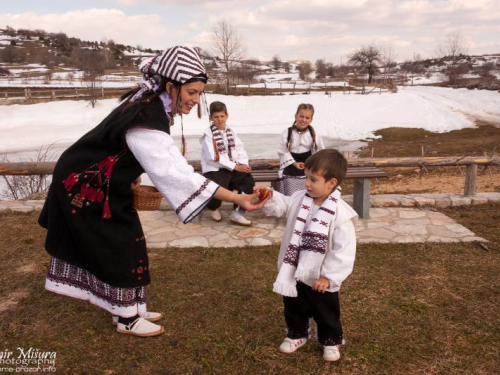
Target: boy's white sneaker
[[290, 345], [237, 218], [216, 215], [140, 327], [331, 353], [149, 316]]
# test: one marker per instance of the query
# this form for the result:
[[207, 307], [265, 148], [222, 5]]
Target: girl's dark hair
[[330, 163]]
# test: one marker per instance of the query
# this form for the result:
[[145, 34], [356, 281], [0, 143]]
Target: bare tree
[[321, 70], [286, 66], [388, 58], [452, 46], [93, 68], [228, 46], [451, 49], [367, 58], [304, 69], [276, 62]]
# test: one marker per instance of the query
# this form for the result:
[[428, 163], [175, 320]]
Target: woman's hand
[[259, 189], [299, 165], [250, 202], [136, 183]]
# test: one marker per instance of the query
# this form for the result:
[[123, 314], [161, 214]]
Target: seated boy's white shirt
[[208, 162], [187, 192], [341, 253]]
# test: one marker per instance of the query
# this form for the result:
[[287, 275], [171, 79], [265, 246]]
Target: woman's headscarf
[[178, 64]]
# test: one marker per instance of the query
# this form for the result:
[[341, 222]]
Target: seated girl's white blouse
[[187, 191]]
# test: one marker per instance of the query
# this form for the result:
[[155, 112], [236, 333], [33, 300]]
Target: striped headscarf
[[179, 64]]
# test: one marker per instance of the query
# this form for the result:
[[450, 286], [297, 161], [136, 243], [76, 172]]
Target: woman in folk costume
[[297, 143], [225, 161], [95, 239]]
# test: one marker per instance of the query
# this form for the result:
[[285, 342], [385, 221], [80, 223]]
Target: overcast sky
[[305, 29]]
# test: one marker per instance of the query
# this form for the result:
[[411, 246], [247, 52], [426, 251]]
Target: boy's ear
[[334, 182]]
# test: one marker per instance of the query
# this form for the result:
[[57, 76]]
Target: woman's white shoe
[[151, 316], [140, 327]]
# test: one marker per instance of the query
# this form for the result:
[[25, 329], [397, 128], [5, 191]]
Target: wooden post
[[470, 180], [361, 197]]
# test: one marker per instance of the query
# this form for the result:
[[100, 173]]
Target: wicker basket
[[147, 198]]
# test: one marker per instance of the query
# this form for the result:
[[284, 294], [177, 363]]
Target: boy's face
[[317, 186], [219, 119]]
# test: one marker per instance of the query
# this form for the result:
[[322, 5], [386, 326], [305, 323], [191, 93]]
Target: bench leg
[[361, 198]]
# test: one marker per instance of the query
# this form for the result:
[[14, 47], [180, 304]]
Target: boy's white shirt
[[341, 253], [301, 142], [208, 163]]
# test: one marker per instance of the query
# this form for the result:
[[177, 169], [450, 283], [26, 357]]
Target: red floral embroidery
[[94, 181]]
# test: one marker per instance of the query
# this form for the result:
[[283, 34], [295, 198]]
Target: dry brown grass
[[407, 309]]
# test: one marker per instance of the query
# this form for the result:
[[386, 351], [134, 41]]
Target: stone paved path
[[395, 218]]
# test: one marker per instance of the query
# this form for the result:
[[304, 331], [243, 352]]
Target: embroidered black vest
[[89, 210]]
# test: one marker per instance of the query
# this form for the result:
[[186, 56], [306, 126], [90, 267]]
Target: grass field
[[407, 309]]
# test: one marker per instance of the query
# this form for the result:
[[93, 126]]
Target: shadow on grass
[[427, 308]]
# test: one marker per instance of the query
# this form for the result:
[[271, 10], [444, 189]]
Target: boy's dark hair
[[217, 107], [329, 162]]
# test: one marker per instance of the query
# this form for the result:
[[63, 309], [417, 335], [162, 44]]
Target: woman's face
[[190, 96], [303, 118]]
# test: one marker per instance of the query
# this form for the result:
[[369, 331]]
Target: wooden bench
[[361, 191]]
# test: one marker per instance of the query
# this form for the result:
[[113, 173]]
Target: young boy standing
[[317, 253], [224, 161]]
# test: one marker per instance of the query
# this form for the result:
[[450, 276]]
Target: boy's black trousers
[[231, 180], [324, 308]]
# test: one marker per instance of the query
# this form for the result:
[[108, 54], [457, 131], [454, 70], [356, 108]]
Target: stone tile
[[162, 230], [196, 232], [411, 214], [441, 239], [473, 239], [146, 216], [218, 238], [161, 237], [252, 232], [372, 240], [407, 202], [373, 225], [197, 241], [409, 239], [260, 242], [377, 201], [443, 232], [424, 202], [408, 229], [460, 200], [276, 233], [443, 202], [378, 233], [230, 243], [157, 245], [379, 212]]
